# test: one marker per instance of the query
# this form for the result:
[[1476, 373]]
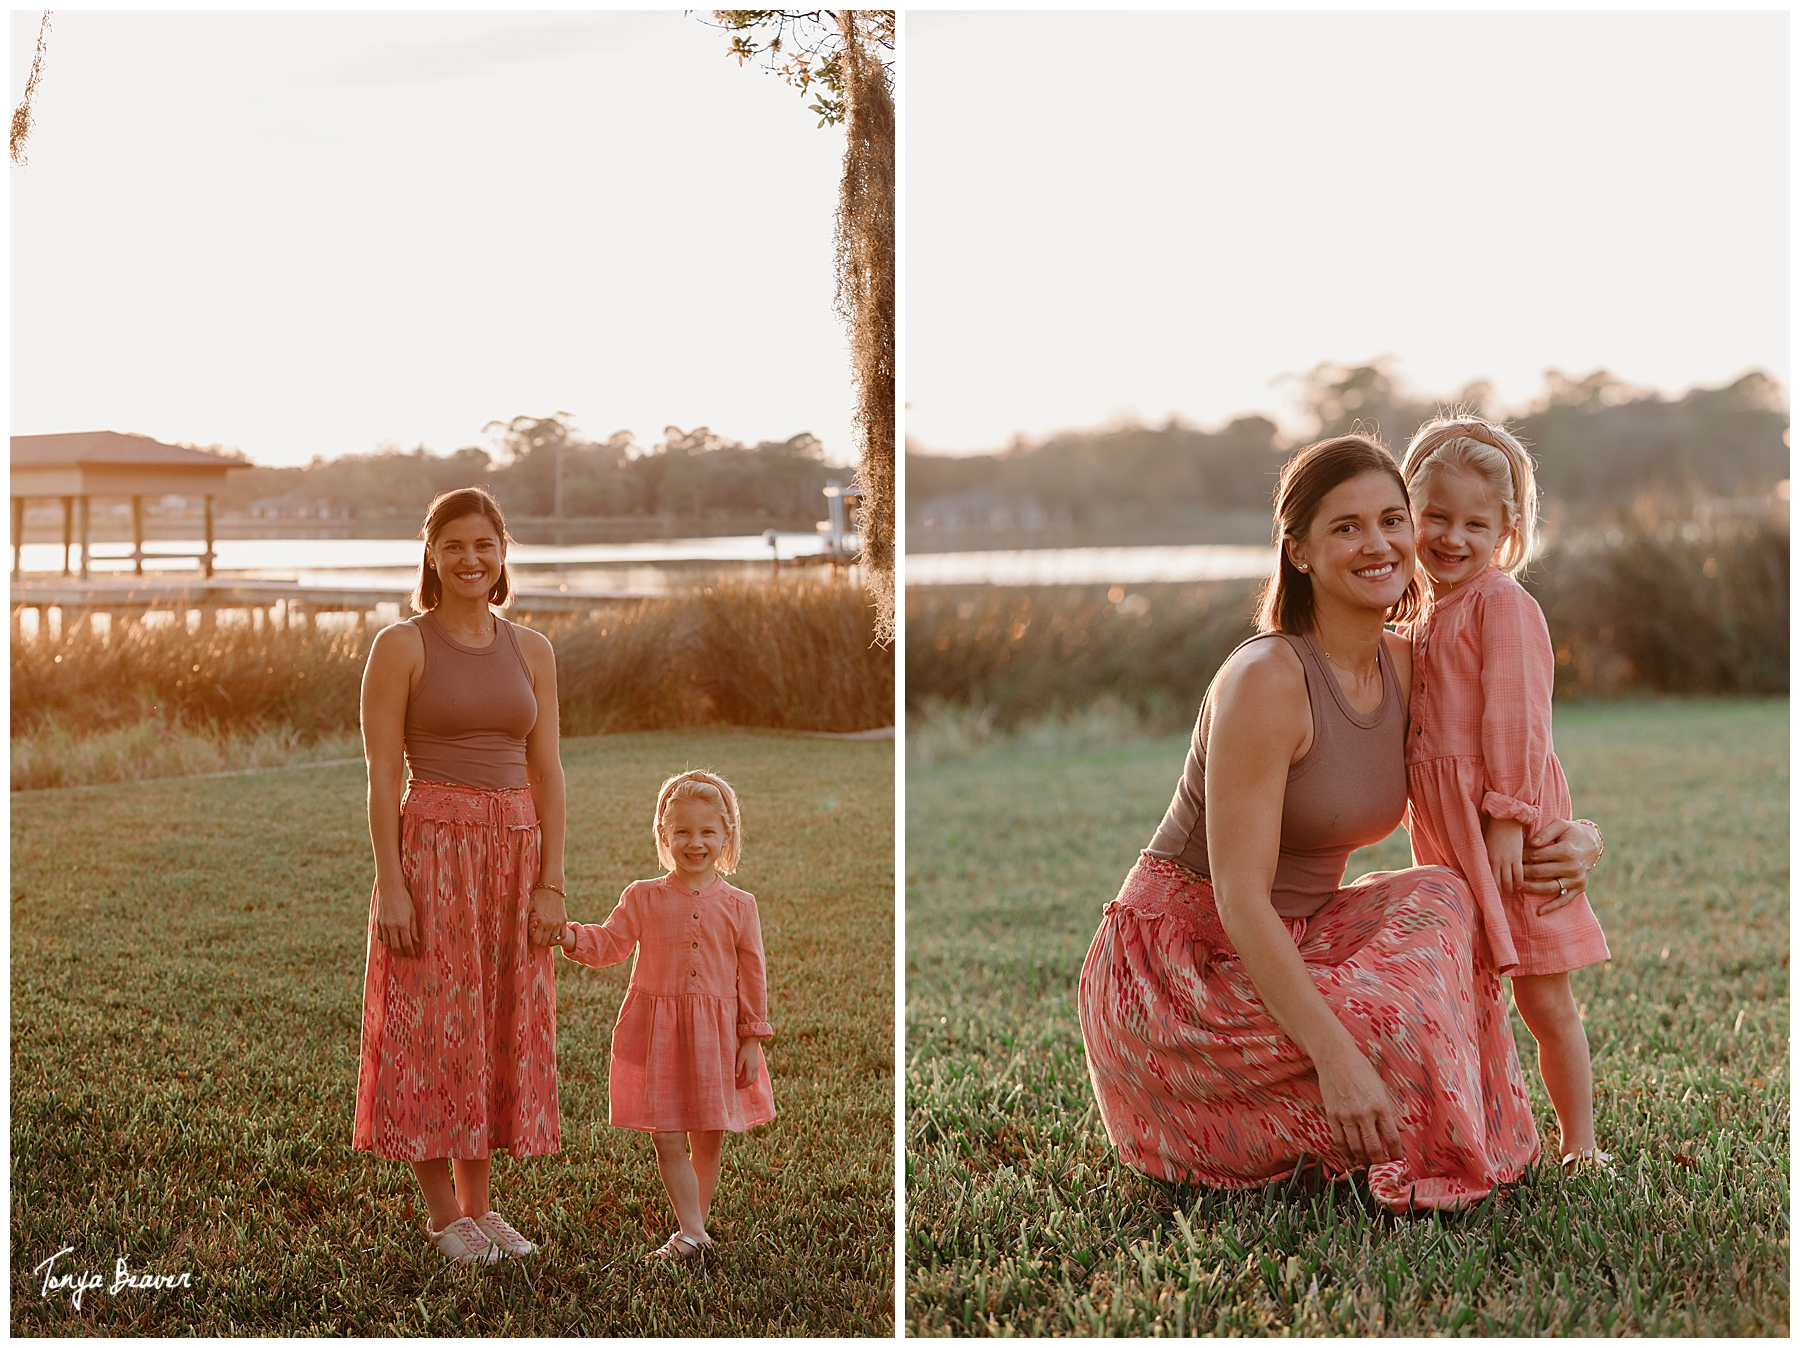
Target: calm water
[[1090, 566], [647, 566]]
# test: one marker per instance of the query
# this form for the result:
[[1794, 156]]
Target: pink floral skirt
[[459, 1043], [1197, 1082]]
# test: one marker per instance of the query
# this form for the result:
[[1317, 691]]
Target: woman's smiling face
[[468, 554], [1359, 548]]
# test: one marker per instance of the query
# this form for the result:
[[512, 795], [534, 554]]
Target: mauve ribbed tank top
[[467, 720], [1349, 790]]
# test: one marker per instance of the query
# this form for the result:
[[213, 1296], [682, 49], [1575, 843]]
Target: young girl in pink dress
[[1482, 777], [687, 1062]]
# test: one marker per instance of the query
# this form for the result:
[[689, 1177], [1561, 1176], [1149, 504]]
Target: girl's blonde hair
[[1491, 453], [709, 789]]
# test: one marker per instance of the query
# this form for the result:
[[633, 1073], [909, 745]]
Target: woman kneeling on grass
[[459, 1004], [687, 1061], [1242, 1011]]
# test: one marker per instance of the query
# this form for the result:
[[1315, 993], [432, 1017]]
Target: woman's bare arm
[[549, 791], [1261, 723], [395, 661]]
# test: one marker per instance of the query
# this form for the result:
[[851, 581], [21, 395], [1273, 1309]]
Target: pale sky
[[311, 233], [1147, 214]]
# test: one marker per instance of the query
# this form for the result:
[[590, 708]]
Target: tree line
[[695, 474], [1600, 445]]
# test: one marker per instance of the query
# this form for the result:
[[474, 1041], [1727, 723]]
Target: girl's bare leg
[[679, 1179], [1548, 1006], [440, 1194], [705, 1147]]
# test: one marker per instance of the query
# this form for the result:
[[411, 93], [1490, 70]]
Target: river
[[653, 566], [1090, 566]]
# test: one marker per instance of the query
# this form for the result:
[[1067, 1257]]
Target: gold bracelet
[[554, 889], [1598, 834]]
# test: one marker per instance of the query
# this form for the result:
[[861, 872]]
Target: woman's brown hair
[[1286, 604], [451, 506]]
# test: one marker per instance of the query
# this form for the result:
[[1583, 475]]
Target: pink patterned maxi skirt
[[1197, 1082], [459, 1044]]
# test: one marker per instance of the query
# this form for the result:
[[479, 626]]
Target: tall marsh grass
[[1662, 606], [1670, 606], [1022, 655], [146, 699], [797, 656]]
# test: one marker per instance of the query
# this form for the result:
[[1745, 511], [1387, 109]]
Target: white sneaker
[[500, 1231], [464, 1242]]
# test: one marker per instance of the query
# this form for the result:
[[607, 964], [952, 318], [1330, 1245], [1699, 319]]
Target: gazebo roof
[[110, 448]]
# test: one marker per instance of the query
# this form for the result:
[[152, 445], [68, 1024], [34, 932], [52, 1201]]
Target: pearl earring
[[1303, 566]]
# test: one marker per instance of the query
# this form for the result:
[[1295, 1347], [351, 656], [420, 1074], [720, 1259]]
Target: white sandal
[[679, 1247], [1590, 1157]]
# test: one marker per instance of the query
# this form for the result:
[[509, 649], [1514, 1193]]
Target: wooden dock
[[129, 598]]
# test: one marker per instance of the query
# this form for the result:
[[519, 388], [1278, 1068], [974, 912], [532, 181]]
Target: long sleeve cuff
[[755, 1029], [1496, 806]]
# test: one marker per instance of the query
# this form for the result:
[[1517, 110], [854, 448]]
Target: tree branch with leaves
[[21, 118]]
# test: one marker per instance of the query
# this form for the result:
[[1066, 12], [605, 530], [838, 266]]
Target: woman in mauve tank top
[[1245, 1012], [459, 1004]]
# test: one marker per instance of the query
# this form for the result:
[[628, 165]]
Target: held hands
[[548, 933], [549, 916], [749, 1063], [1505, 840], [1364, 1123], [397, 923]]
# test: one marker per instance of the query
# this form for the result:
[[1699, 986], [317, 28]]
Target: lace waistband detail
[[1160, 888], [451, 802]]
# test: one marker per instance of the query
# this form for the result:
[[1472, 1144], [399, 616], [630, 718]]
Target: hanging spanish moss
[[837, 57], [21, 121], [865, 290]]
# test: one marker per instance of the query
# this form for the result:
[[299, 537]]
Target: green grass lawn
[[1020, 1220], [187, 964]]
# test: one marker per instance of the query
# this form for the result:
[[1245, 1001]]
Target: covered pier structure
[[77, 467]]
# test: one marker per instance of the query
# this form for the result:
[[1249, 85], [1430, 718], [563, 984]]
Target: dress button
[[696, 945], [696, 917], [693, 973]]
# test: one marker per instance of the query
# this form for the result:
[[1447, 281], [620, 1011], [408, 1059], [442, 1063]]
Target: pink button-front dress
[[1479, 745], [699, 989]]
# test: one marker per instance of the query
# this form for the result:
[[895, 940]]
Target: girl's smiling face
[[1461, 522], [695, 834]]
